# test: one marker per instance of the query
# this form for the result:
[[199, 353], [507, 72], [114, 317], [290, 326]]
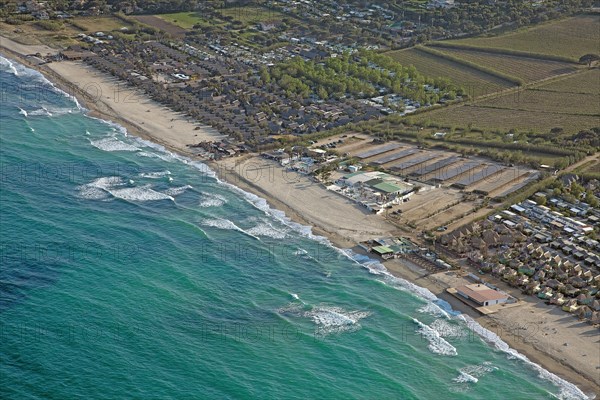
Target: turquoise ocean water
[[129, 272]]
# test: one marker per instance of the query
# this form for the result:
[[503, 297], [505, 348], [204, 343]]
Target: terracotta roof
[[480, 293]]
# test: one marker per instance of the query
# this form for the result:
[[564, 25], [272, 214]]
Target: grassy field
[[185, 20], [527, 69], [159, 23], [571, 37], [476, 82], [585, 82], [100, 24], [593, 167], [549, 102], [31, 33], [251, 15], [504, 119], [570, 103]]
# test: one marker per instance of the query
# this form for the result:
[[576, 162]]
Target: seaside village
[[545, 246], [247, 89]]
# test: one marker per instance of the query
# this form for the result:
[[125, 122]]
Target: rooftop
[[481, 293]]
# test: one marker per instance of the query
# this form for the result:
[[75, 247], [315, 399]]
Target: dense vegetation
[[360, 75]]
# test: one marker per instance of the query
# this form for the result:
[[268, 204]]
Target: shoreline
[[338, 237]]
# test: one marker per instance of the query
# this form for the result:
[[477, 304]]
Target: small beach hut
[[584, 312]]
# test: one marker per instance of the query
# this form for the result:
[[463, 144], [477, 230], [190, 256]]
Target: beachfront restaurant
[[383, 251], [482, 294]]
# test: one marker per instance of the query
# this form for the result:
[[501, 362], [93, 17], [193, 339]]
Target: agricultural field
[[477, 83], [571, 37], [587, 82], [504, 119], [185, 20], [549, 102], [593, 167], [527, 69], [31, 33], [251, 15], [102, 24], [159, 23]]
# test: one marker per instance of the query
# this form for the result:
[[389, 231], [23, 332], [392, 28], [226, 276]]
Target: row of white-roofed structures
[[536, 256], [374, 190]]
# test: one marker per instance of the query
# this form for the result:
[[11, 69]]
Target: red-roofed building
[[482, 294]]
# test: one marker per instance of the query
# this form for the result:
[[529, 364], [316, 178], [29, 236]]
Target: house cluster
[[39, 10], [540, 251], [374, 190], [440, 4], [389, 247], [217, 91], [301, 159], [217, 150], [369, 16]]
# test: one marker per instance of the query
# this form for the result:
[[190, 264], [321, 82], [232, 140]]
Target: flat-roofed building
[[482, 294]]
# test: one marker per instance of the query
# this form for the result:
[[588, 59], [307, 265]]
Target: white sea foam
[[302, 253], [568, 391], [447, 329], [433, 309], [262, 205], [25, 72], [225, 224], [176, 191], [98, 189], [104, 187], [155, 175], [376, 268], [140, 193], [437, 344], [9, 66], [23, 112], [267, 230], [113, 144], [472, 373], [49, 112], [150, 154], [212, 200], [335, 319], [465, 378], [41, 111]]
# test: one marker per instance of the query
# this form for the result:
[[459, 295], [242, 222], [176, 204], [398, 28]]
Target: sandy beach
[[110, 99], [343, 222]]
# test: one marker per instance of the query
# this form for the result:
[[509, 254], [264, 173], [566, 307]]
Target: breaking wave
[[113, 144], [212, 200], [176, 191], [472, 373], [22, 71], [225, 224], [141, 193], [267, 230], [113, 186], [155, 175], [437, 344]]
